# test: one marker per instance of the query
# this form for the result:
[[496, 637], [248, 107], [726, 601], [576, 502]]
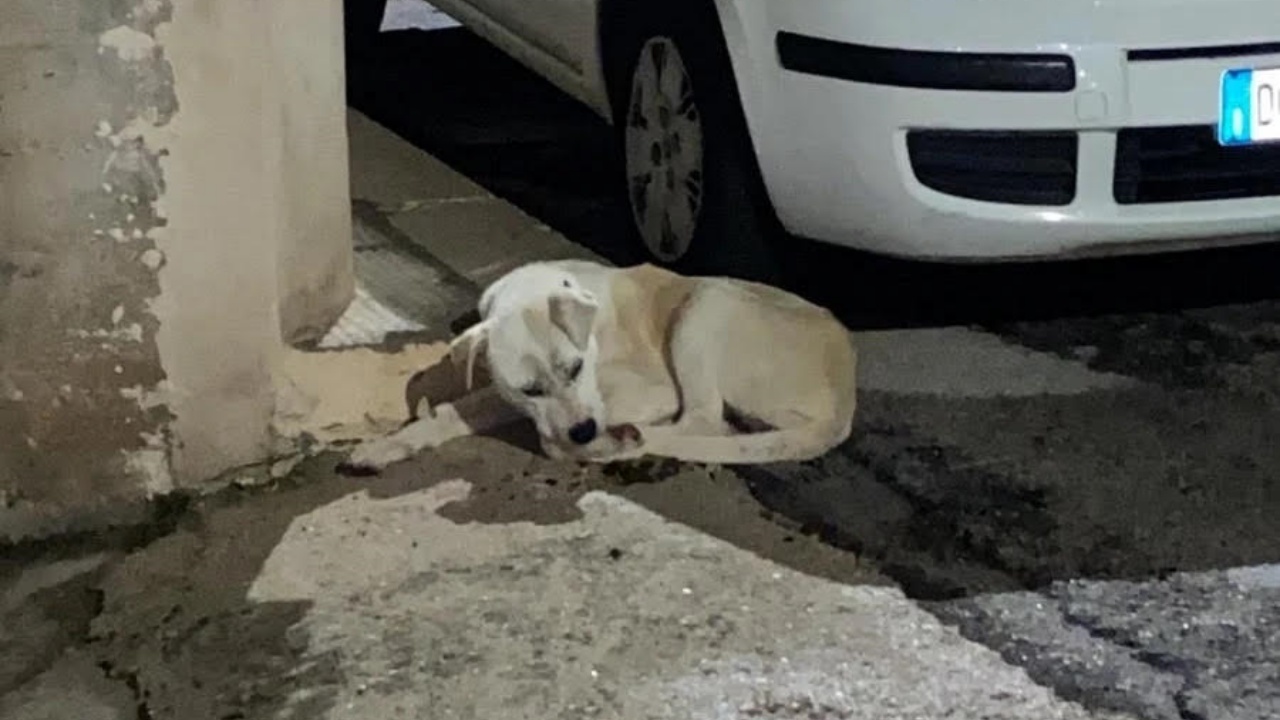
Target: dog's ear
[[465, 347], [574, 312]]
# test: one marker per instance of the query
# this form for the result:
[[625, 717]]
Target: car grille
[[1017, 168], [1186, 163]]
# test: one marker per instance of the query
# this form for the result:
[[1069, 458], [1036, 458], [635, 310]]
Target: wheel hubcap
[[663, 141]]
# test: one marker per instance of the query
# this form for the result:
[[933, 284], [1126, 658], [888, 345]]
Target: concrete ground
[[1042, 513], [482, 582]]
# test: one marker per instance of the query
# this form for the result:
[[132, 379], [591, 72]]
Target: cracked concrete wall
[[173, 197], [78, 260]]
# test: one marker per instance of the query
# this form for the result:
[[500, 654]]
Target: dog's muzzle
[[584, 432]]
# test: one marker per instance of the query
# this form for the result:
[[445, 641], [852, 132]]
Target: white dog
[[613, 363]]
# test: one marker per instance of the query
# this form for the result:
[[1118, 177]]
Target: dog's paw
[[625, 435], [618, 442], [373, 456]]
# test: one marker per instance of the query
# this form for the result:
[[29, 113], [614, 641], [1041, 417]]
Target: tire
[[690, 176]]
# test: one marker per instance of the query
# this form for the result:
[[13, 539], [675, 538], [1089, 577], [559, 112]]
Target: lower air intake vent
[[1016, 168], [1185, 163]]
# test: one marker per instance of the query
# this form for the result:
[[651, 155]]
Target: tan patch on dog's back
[[634, 365], [646, 300]]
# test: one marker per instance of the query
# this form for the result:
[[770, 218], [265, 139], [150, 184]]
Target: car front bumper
[[863, 159]]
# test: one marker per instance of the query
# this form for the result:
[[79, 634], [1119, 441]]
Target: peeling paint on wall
[[149, 157], [81, 142], [130, 45]]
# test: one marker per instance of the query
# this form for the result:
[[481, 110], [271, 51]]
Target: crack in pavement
[[1030, 630], [1216, 635]]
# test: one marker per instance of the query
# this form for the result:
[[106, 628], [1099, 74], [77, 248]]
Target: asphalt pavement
[[1073, 463]]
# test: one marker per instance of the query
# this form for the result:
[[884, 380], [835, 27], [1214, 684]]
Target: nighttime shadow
[[173, 620], [873, 292], [177, 627]]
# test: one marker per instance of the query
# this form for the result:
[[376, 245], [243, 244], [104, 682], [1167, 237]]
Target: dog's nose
[[584, 432]]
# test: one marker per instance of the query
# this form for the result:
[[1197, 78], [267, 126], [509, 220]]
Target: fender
[[741, 20]]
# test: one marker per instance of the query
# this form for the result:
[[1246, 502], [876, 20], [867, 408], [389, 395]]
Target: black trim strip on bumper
[[926, 69], [1209, 52]]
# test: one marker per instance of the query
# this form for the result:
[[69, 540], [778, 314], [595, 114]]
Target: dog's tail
[[794, 444]]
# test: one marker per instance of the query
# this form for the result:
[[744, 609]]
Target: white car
[[941, 129]]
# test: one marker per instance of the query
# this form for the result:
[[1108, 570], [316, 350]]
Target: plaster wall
[[173, 206]]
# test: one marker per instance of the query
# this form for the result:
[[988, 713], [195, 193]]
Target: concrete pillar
[[173, 205], [315, 244]]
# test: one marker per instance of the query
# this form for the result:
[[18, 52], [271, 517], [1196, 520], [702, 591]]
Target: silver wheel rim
[[663, 142]]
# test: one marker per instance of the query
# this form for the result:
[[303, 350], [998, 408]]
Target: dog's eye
[[532, 390], [575, 370]]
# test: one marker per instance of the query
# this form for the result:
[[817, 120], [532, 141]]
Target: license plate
[[1250, 108]]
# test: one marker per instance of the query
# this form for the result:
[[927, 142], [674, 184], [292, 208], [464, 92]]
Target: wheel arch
[[731, 17], [614, 16]]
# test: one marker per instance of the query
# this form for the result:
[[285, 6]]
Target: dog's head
[[541, 355]]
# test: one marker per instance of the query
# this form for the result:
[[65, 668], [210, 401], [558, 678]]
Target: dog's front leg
[[480, 412], [376, 454]]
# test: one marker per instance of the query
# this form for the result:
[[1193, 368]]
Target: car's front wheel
[[691, 180]]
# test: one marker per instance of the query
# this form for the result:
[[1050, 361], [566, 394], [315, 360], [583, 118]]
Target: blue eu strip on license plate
[[1250, 109]]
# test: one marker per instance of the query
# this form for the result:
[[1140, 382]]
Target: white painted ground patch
[[366, 322], [1257, 576], [416, 15]]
